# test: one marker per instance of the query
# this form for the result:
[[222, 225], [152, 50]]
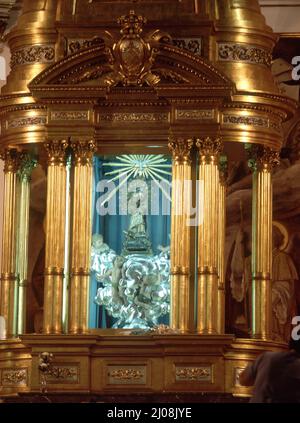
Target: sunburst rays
[[145, 167]]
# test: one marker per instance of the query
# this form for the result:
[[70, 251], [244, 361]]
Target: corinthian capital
[[12, 160], [209, 148], [83, 152], [181, 149], [262, 158], [56, 151]]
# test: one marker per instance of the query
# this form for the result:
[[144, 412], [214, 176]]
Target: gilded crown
[[132, 24]]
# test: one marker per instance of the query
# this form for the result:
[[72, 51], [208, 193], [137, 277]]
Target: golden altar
[[194, 79]]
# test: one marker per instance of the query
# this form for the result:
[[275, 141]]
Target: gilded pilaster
[[221, 243], [55, 236], [27, 166], [207, 294], [262, 161], [81, 235], [182, 290], [9, 277]]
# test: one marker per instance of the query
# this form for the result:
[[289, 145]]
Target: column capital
[[223, 169], [181, 149], [12, 160], [262, 158], [56, 151], [83, 152], [209, 147], [28, 163]]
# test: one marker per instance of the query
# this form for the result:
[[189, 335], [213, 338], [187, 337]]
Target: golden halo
[[284, 233]]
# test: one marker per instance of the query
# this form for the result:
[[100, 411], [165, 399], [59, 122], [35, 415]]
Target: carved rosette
[[56, 151], [262, 158], [181, 150], [209, 148], [83, 152], [12, 160]]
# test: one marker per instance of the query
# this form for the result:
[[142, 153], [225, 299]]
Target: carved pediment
[[131, 60]]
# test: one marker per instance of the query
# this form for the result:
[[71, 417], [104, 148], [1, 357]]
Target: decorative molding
[[232, 52], [33, 54], [70, 115], [181, 149], [182, 114], [134, 117], [193, 45], [26, 121], [14, 377], [191, 374], [126, 375]]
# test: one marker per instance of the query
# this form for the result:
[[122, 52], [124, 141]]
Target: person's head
[[278, 238], [97, 241], [295, 345]]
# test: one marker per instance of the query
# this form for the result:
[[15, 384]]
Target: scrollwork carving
[[244, 53], [33, 54]]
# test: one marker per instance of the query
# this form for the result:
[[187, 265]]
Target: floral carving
[[244, 53], [14, 377], [33, 54], [193, 373]]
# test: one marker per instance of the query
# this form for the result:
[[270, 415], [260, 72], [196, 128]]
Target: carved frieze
[[255, 121], [193, 45], [134, 117], [126, 375], [26, 121], [17, 377], [233, 52], [184, 114], [194, 373], [33, 54], [69, 115], [63, 374]]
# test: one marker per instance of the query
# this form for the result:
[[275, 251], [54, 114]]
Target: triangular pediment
[[130, 60]]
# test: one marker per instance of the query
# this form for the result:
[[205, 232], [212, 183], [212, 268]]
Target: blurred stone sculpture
[[283, 285]]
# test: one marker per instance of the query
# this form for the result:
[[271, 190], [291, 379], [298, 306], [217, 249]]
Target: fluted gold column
[[9, 278], [207, 294], [81, 236], [182, 280], [221, 243], [55, 236], [262, 161], [27, 166]]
